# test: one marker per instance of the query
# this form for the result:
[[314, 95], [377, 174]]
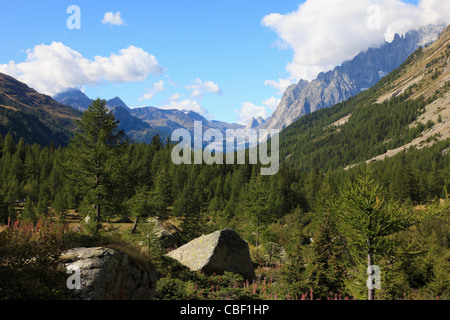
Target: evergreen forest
[[311, 227]]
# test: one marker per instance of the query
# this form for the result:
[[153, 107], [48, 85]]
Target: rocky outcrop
[[167, 234], [106, 274], [220, 251]]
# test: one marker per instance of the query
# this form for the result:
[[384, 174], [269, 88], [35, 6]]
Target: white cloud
[[272, 103], [199, 88], [325, 33], [249, 111], [176, 102], [55, 68], [114, 19], [175, 96], [194, 103], [281, 85], [157, 87]]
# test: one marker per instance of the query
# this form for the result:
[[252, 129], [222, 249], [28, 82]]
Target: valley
[[363, 181]]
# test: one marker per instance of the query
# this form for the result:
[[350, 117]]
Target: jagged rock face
[[220, 251], [348, 79], [254, 123], [107, 274]]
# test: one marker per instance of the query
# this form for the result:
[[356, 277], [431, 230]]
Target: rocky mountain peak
[[348, 79]]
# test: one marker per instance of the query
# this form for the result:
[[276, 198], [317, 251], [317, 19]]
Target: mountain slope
[[347, 80], [409, 107], [35, 117]]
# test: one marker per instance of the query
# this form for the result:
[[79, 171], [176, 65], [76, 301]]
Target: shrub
[[175, 289], [29, 267]]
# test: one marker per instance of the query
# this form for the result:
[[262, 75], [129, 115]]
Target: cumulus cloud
[[114, 19], [199, 88], [325, 33], [272, 103], [249, 111], [281, 85], [55, 68], [157, 87], [192, 101], [176, 101]]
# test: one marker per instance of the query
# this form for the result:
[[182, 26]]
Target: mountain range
[[350, 78], [141, 124], [409, 109]]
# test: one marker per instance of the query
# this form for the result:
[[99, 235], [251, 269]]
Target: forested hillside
[[409, 103], [35, 117]]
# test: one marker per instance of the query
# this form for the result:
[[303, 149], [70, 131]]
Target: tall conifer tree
[[96, 159]]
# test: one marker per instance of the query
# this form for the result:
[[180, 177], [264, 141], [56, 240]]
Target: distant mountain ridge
[[141, 124], [255, 123], [74, 98], [350, 78]]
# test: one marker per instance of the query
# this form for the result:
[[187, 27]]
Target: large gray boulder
[[220, 251], [107, 274]]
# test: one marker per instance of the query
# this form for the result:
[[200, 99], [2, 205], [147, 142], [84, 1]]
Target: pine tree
[[327, 194], [293, 272], [326, 272], [96, 160], [366, 219], [9, 146], [4, 209], [162, 195], [156, 142], [21, 150], [256, 203], [29, 212], [42, 207], [59, 205], [190, 207]]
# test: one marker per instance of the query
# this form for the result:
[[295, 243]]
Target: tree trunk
[[97, 205], [257, 232], [371, 292], [135, 225], [97, 217]]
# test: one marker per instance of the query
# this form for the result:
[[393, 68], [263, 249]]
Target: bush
[[29, 267], [175, 289]]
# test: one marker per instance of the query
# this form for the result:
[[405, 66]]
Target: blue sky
[[229, 60]]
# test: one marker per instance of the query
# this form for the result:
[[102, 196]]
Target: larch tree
[[256, 203], [367, 220], [95, 161]]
